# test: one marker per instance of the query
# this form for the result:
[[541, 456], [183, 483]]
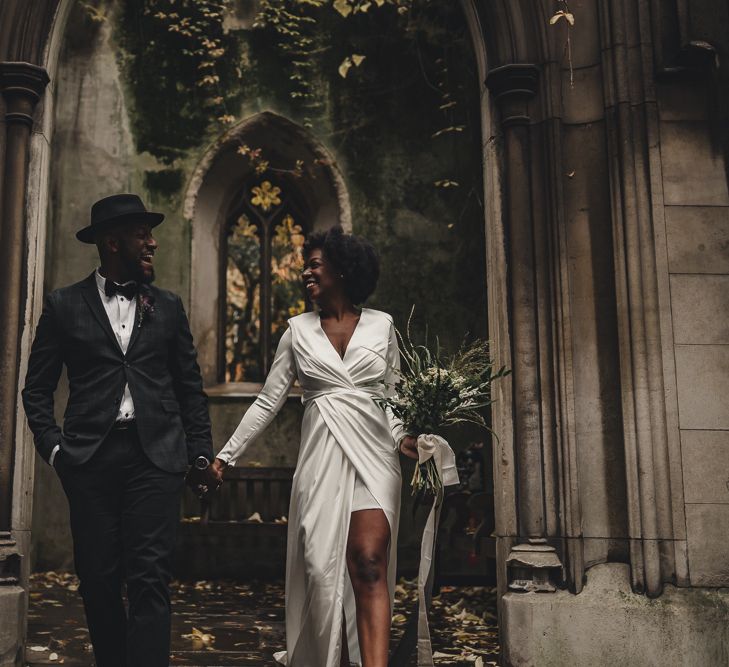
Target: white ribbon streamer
[[435, 447]]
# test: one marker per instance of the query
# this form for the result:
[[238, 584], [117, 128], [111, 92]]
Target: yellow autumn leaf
[[344, 67], [343, 7], [561, 14], [200, 637], [357, 59]]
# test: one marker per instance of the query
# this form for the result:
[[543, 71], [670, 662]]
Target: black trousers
[[124, 516]]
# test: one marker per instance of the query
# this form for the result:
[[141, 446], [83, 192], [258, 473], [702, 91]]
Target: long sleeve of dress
[[391, 379], [278, 383]]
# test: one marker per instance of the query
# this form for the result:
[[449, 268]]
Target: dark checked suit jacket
[[160, 366]]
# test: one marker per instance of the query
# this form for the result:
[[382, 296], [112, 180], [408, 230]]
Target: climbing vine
[[185, 70], [190, 72], [562, 14]]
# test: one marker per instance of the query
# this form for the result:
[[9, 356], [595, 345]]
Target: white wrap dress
[[347, 452]]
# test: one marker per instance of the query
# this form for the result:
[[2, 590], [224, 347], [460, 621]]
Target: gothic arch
[[215, 183]]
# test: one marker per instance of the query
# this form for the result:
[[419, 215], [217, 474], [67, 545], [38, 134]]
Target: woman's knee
[[367, 567]]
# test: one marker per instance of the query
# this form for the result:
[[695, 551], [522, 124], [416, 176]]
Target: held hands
[[202, 482], [409, 446], [219, 467]]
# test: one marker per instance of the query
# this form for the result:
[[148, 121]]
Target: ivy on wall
[[189, 73], [184, 69]]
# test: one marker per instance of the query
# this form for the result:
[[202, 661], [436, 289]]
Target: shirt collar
[[101, 281]]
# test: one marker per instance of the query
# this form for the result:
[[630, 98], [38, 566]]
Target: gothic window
[[264, 239]]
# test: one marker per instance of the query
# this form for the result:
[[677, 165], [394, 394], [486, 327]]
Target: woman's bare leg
[[367, 551]]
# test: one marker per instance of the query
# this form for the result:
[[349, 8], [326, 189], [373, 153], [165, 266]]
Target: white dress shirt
[[121, 313]]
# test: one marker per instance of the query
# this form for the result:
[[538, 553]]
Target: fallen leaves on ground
[[462, 619], [200, 639], [245, 620]]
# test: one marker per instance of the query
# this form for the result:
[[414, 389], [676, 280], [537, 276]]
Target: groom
[[136, 419]]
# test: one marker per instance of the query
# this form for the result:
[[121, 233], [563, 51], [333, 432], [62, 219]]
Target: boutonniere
[[145, 303]]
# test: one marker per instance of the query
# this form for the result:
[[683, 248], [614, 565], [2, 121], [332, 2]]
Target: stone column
[[652, 453], [533, 563], [22, 86]]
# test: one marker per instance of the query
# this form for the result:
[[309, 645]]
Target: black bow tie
[[129, 290]]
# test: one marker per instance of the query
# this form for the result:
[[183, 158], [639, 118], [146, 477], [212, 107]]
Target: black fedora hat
[[117, 209]]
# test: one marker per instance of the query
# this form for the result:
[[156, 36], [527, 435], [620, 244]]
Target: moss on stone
[[165, 182]]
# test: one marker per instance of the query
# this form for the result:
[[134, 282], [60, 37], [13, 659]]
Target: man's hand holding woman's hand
[[203, 481], [218, 468]]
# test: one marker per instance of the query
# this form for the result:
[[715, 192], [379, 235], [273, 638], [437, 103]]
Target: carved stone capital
[[512, 86], [22, 85], [534, 567]]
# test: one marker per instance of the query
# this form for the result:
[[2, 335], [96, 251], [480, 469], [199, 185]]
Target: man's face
[[136, 247]]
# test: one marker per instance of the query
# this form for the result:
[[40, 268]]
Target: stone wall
[[696, 314]]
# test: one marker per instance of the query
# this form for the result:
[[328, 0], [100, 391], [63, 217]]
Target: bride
[[345, 500]]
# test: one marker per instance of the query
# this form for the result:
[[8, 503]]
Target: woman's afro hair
[[351, 256]]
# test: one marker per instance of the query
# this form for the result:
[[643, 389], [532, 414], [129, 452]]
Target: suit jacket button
[[126, 364]]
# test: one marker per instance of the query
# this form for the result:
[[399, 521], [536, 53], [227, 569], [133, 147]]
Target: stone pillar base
[[607, 625], [12, 606]]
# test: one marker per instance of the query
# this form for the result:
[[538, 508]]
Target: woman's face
[[321, 280]]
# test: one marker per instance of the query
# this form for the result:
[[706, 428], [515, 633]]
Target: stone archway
[[215, 183], [509, 42]]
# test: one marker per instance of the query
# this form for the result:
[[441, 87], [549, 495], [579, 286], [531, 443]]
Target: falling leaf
[[357, 59], [255, 518], [561, 14], [452, 128], [570, 174]]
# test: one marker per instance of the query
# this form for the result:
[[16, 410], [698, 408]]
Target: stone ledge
[[607, 624], [12, 606]]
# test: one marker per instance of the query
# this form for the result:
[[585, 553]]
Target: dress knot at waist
[[370, 391]]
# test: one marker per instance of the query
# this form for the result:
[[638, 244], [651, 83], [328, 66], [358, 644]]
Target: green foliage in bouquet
[[435, 391]]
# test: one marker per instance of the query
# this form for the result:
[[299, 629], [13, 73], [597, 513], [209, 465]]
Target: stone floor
[[226, 623]]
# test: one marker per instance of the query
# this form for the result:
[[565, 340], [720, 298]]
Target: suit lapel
[[93, 300], [137, 329], [145, 320]]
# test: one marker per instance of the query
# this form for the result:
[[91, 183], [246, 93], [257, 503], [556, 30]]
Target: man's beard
[[136, 272]]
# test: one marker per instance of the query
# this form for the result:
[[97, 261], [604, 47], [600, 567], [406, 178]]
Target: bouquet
[[435, 391]]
